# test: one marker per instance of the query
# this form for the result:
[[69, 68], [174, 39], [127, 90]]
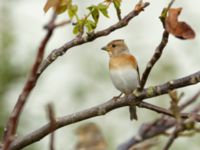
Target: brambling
[[90, 137], [123, 69]]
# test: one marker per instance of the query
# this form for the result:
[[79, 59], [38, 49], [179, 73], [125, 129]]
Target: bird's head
[[116, 47]]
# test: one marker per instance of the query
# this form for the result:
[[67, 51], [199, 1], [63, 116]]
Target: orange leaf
[[49, 4], [59, 5], [179, 29]]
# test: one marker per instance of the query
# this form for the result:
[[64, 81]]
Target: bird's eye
[[113, 45]]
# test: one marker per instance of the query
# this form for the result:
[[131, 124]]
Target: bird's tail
[[133, 113]]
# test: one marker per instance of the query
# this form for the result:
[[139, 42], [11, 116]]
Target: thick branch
[[105, 108], [35, 72], [29, 85], [90, 37]]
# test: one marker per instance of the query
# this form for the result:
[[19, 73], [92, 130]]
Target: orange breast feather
[[123, 61]]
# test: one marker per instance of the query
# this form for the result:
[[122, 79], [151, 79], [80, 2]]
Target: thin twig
[[157, 54], [51, 116], [157, 127], [163, 111], [190, 101], [106, 107], [148, 131], [119, 14], [181, 125], [90, 37], [12, 124], [56, 25], [174, 135]]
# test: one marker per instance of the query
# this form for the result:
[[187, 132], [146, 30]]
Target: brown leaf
[[59, 5], [49, 4], [179, 29]]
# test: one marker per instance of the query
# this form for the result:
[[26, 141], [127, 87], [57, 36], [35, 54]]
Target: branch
[[154, 59], [158, 127], [183, 125], [91, 36], [164, 111], [178, 129], [12, 124], [56, 25], [147, 131], [161, 125], [158, 51], [190, 100], [106, 107], [51, 116]]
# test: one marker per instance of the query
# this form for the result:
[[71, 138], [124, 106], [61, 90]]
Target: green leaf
[[94, 12], [95, 15], [91, 8], [103, 9], [61, 9], [163, 13], [72, 11], [117, 3], [64, 4], [76, 29], [102, 6], [90, 25]]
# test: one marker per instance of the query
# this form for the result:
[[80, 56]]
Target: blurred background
[[80, 78]]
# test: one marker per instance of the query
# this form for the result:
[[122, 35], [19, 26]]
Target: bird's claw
[[115, 98]]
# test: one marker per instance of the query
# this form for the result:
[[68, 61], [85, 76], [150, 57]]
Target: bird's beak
[[104, 48]]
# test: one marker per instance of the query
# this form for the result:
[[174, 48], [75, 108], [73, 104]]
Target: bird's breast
[[124, 79]]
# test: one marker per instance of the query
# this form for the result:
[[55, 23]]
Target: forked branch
[[106, 107]]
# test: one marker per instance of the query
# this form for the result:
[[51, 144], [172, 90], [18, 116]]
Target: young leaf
[[95, 15], [117, 3], [72, 11], [76, 29], [179, 29], [90, 25], [60, 6], [61, 9], [94, 12], [103, 9]]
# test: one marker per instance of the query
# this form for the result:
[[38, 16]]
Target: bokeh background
[[80, 78]]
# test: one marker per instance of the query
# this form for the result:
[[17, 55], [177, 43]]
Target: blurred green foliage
[[8, 72], [90, 20]]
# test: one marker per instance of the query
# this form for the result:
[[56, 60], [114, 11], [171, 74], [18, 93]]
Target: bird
[[123, 69], [90, 137]]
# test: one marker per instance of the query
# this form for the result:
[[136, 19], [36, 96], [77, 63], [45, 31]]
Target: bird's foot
[[115, 98]]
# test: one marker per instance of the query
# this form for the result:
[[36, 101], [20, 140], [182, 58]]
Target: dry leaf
[[59, 5], [179, 29], [49, 4]]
